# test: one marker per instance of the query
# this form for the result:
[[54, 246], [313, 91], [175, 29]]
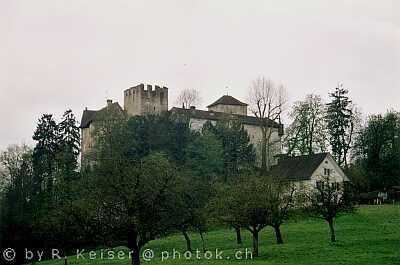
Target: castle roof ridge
[[227, 100], [215, 115]]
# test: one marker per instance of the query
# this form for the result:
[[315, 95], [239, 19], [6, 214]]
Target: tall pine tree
[[44, 154], [340, 123], [69, 144]]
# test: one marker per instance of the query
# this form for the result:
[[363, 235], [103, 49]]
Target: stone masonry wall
[[140, 101]]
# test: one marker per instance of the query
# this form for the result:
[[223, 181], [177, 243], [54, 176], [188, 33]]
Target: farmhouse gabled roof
[[297, 167], [227, 100], [215, 116], [89, 116]]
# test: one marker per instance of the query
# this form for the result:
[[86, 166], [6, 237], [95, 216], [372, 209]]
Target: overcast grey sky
[[56, 55]]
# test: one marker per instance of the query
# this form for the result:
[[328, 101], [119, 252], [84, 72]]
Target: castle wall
[[141, 101], [255, 135], [87, 139], [233, 109], [197, 124]]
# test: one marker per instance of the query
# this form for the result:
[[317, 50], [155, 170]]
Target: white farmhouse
[[309, 171]]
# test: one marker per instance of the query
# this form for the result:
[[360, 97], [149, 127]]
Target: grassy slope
[[371, 236]]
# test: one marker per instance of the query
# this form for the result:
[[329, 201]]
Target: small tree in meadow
[[191, 207], [244, 202], [280, 200], [328, 201]]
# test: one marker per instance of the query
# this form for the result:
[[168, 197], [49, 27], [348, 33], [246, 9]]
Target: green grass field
[[370, 236]]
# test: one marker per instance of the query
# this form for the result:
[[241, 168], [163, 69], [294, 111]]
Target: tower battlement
[[142, 100]]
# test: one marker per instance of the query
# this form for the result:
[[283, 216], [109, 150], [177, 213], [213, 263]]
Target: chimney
[[109, 102]]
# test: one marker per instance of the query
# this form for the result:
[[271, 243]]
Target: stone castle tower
[[140, 101]]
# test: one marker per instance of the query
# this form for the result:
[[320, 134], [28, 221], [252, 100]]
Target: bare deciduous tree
[[12, 161], [188, 97], [267, 102]]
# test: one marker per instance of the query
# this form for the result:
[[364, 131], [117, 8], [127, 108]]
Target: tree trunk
[[255, 244], [202, 240], [238, 236], [268, 156], [278, 234], [187, 238], [134, 248], [264, 151], [330, 222], [135, 257], [311, 133]]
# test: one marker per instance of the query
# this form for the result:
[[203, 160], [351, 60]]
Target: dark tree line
[[38, 183], [150, 176], [178, 198], [377, 153]]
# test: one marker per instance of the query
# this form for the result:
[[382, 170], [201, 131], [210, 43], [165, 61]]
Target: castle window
[[327, 172]]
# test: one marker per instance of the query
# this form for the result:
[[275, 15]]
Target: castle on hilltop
[[141, 100]]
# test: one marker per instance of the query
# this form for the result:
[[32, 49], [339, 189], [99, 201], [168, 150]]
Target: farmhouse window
[[335, 185], [301, 185], [320, 185]]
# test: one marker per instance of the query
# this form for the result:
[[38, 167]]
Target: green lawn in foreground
[[371, 236]]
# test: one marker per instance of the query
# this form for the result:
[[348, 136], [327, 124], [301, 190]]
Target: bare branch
[[188, 97], [266, 101]]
